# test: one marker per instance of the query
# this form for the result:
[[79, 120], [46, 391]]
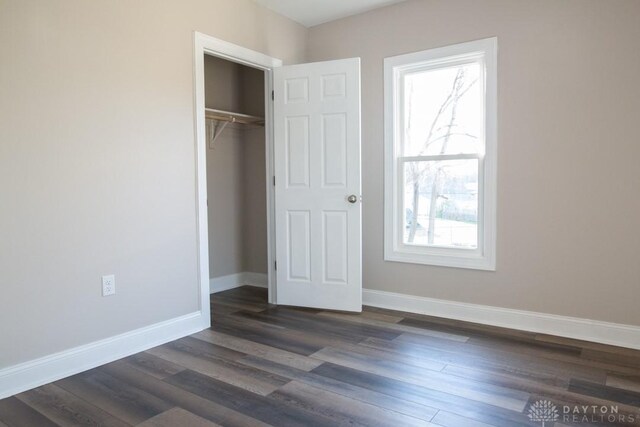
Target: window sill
[[469, 262]]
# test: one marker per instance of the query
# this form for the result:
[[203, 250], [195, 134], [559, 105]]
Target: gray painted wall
[[97, 161], [569, 102]]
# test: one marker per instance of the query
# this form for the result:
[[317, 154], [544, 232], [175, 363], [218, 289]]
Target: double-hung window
[[440, 156]]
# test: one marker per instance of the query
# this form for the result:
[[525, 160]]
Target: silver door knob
[[352, 198]]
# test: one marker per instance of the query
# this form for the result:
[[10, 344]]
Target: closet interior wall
[[236, 172]]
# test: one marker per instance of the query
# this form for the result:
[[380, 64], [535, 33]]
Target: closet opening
[[237, 171]]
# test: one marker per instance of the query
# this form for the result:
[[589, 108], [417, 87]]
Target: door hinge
[[275, 265], [274, 180], [273, 95]]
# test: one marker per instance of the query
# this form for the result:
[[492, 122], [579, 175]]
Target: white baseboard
[[231, 281], [564, 326], [25, 376]]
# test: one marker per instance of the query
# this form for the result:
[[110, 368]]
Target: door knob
[[352, 198]]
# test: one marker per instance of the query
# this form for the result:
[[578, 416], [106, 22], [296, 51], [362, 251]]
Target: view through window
[[443, 118]]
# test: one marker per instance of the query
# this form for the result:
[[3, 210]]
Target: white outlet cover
[[108, 285]]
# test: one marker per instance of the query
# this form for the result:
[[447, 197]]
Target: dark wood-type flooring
[[262, 365]]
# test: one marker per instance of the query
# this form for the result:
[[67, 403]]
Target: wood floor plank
[[447, 419], [310, 322], [115, 397], [556, 352], [233, 306], [572, 366], [630, 383], [204, 350], [576, 392], [527, 344], [392, 357], [510, 381], [177, 417], [247, 298], [396, 326], [531, 347], [222, 309], [343, 410], [16, 413], [628, 359], [315, 328], [267, 336], [153, 365], [265, 409], [345, 389], [457, 327], [605, 392], [493, 395], [258, 350], [429, 397], [179, 397], [467, 358], [254, 294], [67, 409], [296, 341], [587, 345], [387, 318], [215, 365], [568, 358]]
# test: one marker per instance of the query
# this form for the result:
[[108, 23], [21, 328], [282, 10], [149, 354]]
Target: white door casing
[[317, 168]]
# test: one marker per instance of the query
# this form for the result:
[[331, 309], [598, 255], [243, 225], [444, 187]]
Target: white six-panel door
[[317, 197]]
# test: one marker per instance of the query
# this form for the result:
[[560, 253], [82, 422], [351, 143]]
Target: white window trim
[[484, 258]]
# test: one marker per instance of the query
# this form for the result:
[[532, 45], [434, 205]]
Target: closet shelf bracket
[[219, 120], [216, 130]]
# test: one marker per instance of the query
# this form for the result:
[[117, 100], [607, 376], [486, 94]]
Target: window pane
[[443, 111], [441, 203]]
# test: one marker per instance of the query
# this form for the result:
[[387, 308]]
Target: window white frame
[[484, 257]]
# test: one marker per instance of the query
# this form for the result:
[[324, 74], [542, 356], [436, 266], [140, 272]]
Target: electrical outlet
[[108, 285]]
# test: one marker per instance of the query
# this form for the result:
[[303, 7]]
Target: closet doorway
[[236, 174], [238, 158], [234, 159], [303, 121]]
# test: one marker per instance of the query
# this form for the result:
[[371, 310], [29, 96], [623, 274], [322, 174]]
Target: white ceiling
[[314, 12]]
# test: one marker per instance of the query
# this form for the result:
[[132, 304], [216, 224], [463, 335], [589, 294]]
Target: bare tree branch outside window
[[443, 126]]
